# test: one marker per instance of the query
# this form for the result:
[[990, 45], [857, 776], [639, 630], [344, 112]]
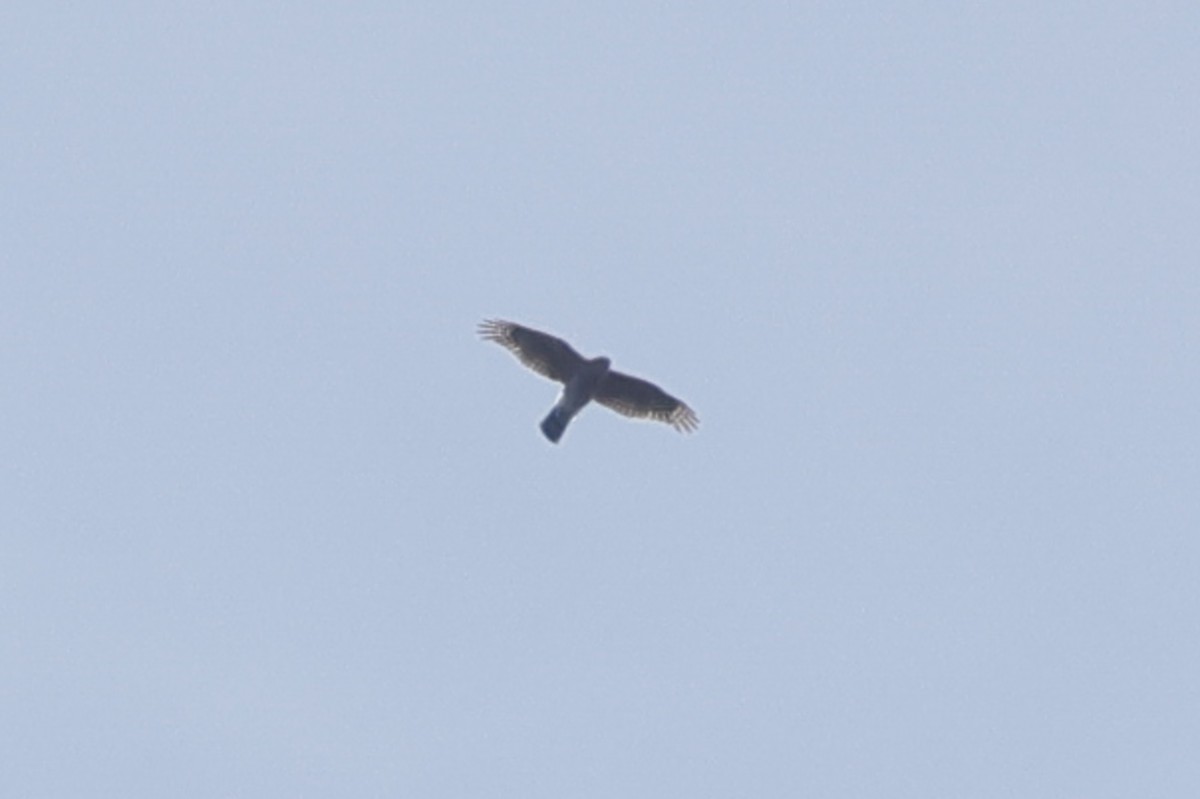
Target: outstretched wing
[[543, 353], [642, 399]]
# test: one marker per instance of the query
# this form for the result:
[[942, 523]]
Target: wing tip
[[494, 329], [684, 419]]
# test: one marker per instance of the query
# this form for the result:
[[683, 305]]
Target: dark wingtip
[[496, 330]]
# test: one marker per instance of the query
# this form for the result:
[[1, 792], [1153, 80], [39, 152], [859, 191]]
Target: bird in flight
[[585, 380]]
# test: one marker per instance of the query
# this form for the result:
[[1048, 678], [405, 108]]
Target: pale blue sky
[[274, 523]]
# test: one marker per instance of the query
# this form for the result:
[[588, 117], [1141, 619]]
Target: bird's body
[[577, 392], [585, 380]]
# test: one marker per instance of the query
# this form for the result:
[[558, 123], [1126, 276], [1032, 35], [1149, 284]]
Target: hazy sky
[[275, 523]]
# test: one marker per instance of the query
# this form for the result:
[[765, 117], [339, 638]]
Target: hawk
[[585, 380]]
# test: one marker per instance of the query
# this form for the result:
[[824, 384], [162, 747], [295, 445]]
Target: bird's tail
[[555, 423]]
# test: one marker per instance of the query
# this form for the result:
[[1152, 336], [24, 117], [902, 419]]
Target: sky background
[[275, 523]]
